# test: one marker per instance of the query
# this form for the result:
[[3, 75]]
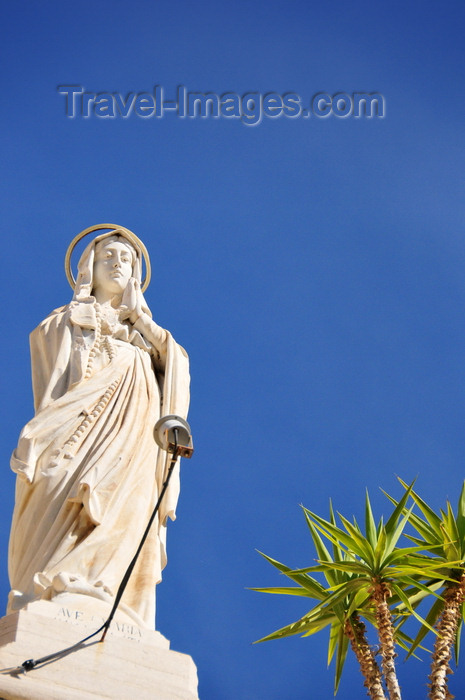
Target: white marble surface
[[131, 664], [89, 469]]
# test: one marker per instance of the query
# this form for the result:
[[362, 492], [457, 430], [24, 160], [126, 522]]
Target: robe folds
[[89, 469]]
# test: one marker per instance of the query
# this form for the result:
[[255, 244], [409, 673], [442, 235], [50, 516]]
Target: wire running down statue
[[89, 469]]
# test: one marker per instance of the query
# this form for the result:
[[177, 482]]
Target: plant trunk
[[380, 595], [356, 632], [447, 628]]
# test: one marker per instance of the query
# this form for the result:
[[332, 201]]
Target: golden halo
[[118, 229]]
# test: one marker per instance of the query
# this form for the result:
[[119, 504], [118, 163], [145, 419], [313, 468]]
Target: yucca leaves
[[340, 599], [360, 570], [314, 588], [356, 562], [443, 536]]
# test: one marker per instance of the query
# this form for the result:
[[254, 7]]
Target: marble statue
[[88, 468]]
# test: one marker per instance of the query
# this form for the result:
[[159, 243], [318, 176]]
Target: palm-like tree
[[366, 574], [338, 607], [443, 537], [382, 572]]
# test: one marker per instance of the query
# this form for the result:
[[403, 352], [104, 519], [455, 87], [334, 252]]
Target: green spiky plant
[[366, 574], [338, 610], [443, 537]]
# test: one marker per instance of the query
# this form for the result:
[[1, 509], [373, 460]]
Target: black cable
[[131, 566], [30, 664]]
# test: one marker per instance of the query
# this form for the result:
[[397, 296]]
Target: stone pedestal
[[131, 664]]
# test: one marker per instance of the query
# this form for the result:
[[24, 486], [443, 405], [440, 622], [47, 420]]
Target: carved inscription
[[120, 629]]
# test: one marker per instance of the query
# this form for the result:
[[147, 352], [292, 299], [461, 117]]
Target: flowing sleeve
[[50, 345], [175, 401]]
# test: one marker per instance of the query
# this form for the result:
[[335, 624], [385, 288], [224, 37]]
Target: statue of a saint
[[89, 469]]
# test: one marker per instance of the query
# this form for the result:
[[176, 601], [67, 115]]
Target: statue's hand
[[131, 303]]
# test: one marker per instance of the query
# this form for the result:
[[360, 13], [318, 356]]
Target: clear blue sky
[[313, 268]]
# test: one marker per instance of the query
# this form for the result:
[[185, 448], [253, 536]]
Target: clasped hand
[[132, 301]]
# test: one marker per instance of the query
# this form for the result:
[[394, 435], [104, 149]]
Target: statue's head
[[115, 237], [108, 263], [114, 261]]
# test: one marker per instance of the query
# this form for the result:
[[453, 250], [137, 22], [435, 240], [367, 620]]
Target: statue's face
[[112, 266]]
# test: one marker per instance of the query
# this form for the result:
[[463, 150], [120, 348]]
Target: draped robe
[[89, 470]]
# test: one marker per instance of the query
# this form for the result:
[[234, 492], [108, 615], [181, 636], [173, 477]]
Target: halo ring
[[131, 237]]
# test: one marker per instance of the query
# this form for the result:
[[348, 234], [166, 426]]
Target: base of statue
[[132, 663]]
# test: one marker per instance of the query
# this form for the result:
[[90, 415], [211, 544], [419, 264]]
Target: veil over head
[[84, 281]]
